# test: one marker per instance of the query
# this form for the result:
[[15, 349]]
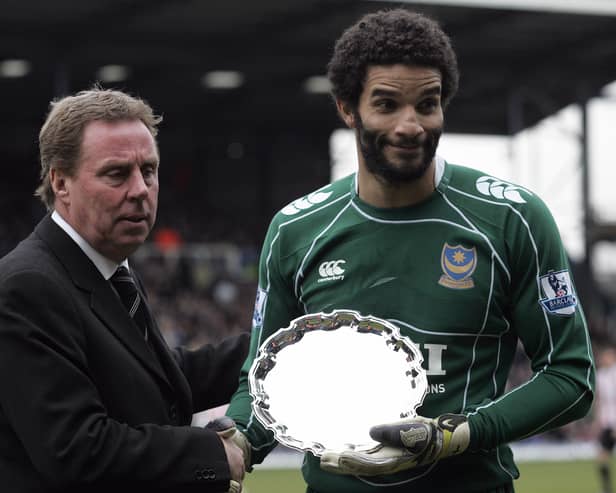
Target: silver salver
[[322, 382]]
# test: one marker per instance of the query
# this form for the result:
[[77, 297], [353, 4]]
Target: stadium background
[[248, 124]]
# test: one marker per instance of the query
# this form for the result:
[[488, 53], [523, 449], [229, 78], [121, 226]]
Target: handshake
[[404, 444], [233, 440]]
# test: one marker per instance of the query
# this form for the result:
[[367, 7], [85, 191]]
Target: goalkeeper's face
[[399, 121]]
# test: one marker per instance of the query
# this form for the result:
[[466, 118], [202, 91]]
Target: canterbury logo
[[490, 186], [331, 270], [305, 203]]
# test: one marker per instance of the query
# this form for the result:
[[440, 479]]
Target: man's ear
[[346, 113], [59, 184]]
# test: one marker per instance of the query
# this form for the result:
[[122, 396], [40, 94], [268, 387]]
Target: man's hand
[[235, 458], [237, 449], [405, 444]]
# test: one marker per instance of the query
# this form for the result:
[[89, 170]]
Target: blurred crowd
[[198, 292]]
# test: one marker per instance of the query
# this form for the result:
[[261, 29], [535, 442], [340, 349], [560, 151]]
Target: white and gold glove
[[405, 444], [234, 487]]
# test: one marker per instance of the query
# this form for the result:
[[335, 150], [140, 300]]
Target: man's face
[[399, 121], [111, 200]]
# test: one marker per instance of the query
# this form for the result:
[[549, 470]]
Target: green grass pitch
[[536, 477]]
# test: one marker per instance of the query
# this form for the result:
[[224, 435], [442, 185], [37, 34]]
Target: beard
[[372, 146]]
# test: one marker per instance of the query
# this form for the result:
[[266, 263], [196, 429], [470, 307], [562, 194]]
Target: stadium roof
[[516, 65], [597, 7]]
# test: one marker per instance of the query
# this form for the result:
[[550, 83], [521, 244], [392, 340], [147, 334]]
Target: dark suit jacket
[[85, 404]]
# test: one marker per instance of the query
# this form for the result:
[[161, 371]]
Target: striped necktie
[[125, 285]]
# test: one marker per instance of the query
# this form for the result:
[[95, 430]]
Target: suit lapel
[[103, 300], [183, 392], [173, 371]]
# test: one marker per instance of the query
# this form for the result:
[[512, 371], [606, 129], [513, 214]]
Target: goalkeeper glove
[[405, 444]]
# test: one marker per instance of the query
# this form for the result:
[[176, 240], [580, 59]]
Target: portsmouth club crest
[[559, 297], [458, 264]]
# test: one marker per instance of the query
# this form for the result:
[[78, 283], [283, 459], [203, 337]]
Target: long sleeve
[[275, 307], [548, 319]]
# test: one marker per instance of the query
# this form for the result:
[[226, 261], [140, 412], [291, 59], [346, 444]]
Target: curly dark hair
[[389, 37]]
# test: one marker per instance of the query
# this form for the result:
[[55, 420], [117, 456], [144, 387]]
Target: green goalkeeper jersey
[[466, 274]]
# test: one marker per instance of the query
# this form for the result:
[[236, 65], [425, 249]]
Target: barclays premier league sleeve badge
[[257, 315], [557, 288]]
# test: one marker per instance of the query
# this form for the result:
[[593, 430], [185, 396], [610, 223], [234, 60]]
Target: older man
[[91, 398]]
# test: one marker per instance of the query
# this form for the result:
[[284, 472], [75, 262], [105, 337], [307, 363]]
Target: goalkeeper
[[466, 265]]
